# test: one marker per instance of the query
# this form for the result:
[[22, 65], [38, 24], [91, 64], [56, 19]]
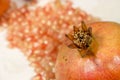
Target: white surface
[[13, 64], [107, 10]]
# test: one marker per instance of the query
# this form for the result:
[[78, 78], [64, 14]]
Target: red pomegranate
[[4, 5], [94, 53]]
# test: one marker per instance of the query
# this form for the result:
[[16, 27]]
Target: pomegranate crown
[[81, 37]]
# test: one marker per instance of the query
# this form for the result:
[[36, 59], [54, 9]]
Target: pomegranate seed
[[40, 31]]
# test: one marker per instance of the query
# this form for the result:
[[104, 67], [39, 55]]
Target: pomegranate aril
[[39, 32]]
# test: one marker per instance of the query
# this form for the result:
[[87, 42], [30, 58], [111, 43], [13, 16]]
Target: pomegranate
[[4, 5], [93, 54]]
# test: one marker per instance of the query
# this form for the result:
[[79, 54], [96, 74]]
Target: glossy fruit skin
[[4, 4], [103, 65]]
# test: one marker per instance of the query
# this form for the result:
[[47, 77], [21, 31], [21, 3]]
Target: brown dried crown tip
[[81, 38]]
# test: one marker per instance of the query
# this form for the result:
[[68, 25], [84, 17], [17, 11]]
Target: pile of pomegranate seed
[[39, 32]]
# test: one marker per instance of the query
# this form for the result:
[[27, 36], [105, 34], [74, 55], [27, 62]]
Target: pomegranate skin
[[103, 65], [4, 5]]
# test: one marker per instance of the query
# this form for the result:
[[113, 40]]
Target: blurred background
[[14, 65], [105, 9]]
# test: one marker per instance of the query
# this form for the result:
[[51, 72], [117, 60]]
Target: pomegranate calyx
[[81, 38]]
